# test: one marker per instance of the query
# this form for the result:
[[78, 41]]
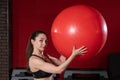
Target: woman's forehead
[[41, 36]]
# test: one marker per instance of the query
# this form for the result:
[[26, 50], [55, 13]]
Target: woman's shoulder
[[35, 59]]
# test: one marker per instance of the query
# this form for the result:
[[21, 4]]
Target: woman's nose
[[44, 43]]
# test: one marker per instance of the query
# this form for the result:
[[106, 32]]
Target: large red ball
[[79, 25]]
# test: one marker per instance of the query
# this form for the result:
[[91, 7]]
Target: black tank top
[[40, 73]]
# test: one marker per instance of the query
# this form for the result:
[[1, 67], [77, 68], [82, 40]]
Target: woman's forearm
[[64, 65], [75, 52], [59, 61]]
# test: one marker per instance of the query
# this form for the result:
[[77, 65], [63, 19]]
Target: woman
[[41, 65]]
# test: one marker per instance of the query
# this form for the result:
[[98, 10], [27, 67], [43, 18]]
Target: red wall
[[31, 15]]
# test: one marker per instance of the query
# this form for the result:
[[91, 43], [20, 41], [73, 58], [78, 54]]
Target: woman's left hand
[[80, 51]]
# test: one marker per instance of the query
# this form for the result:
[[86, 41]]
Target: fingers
[[82, 50], [82, 47], [83, 53]]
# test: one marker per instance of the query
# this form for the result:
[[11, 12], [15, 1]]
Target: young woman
[[42, 65]]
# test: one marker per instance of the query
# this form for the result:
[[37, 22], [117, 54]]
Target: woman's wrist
[[73, 54]]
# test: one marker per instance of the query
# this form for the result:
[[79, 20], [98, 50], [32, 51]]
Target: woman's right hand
[[80, 51]]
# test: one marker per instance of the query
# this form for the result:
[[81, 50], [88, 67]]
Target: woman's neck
[[39, 53]]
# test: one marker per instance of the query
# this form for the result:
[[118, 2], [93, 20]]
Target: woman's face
[[40, 42]]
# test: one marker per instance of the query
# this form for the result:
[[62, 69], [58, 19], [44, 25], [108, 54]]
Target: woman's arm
[[75, 52], [62, 59], [58, 61], [48, 67]]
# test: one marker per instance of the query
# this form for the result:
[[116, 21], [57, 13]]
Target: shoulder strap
[[37, 56]]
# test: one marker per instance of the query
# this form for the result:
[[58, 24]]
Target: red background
[[31, 15]]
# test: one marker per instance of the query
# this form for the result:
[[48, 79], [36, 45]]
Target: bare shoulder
[[35, 60]]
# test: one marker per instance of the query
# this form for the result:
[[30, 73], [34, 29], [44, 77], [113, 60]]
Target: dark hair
[[29, 48]]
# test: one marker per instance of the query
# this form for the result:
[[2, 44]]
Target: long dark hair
[[29, 48]]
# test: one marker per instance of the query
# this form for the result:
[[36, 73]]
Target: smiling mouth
[[43, 47]]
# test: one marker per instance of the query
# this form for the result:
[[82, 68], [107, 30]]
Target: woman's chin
[[42, 50]]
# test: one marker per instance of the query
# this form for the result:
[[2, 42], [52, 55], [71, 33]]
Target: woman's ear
[[32, 41]]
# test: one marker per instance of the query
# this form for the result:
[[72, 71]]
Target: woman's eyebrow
[[43, 38]]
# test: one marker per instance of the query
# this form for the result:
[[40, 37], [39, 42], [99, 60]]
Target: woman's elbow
[[59, 71]]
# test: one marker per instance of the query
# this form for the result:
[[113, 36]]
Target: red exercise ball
[[79, 25]]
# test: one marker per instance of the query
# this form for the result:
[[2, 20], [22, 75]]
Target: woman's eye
[[41, 40], [46, 41]]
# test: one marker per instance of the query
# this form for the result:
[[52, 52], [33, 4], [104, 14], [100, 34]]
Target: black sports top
[[40, 73]]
